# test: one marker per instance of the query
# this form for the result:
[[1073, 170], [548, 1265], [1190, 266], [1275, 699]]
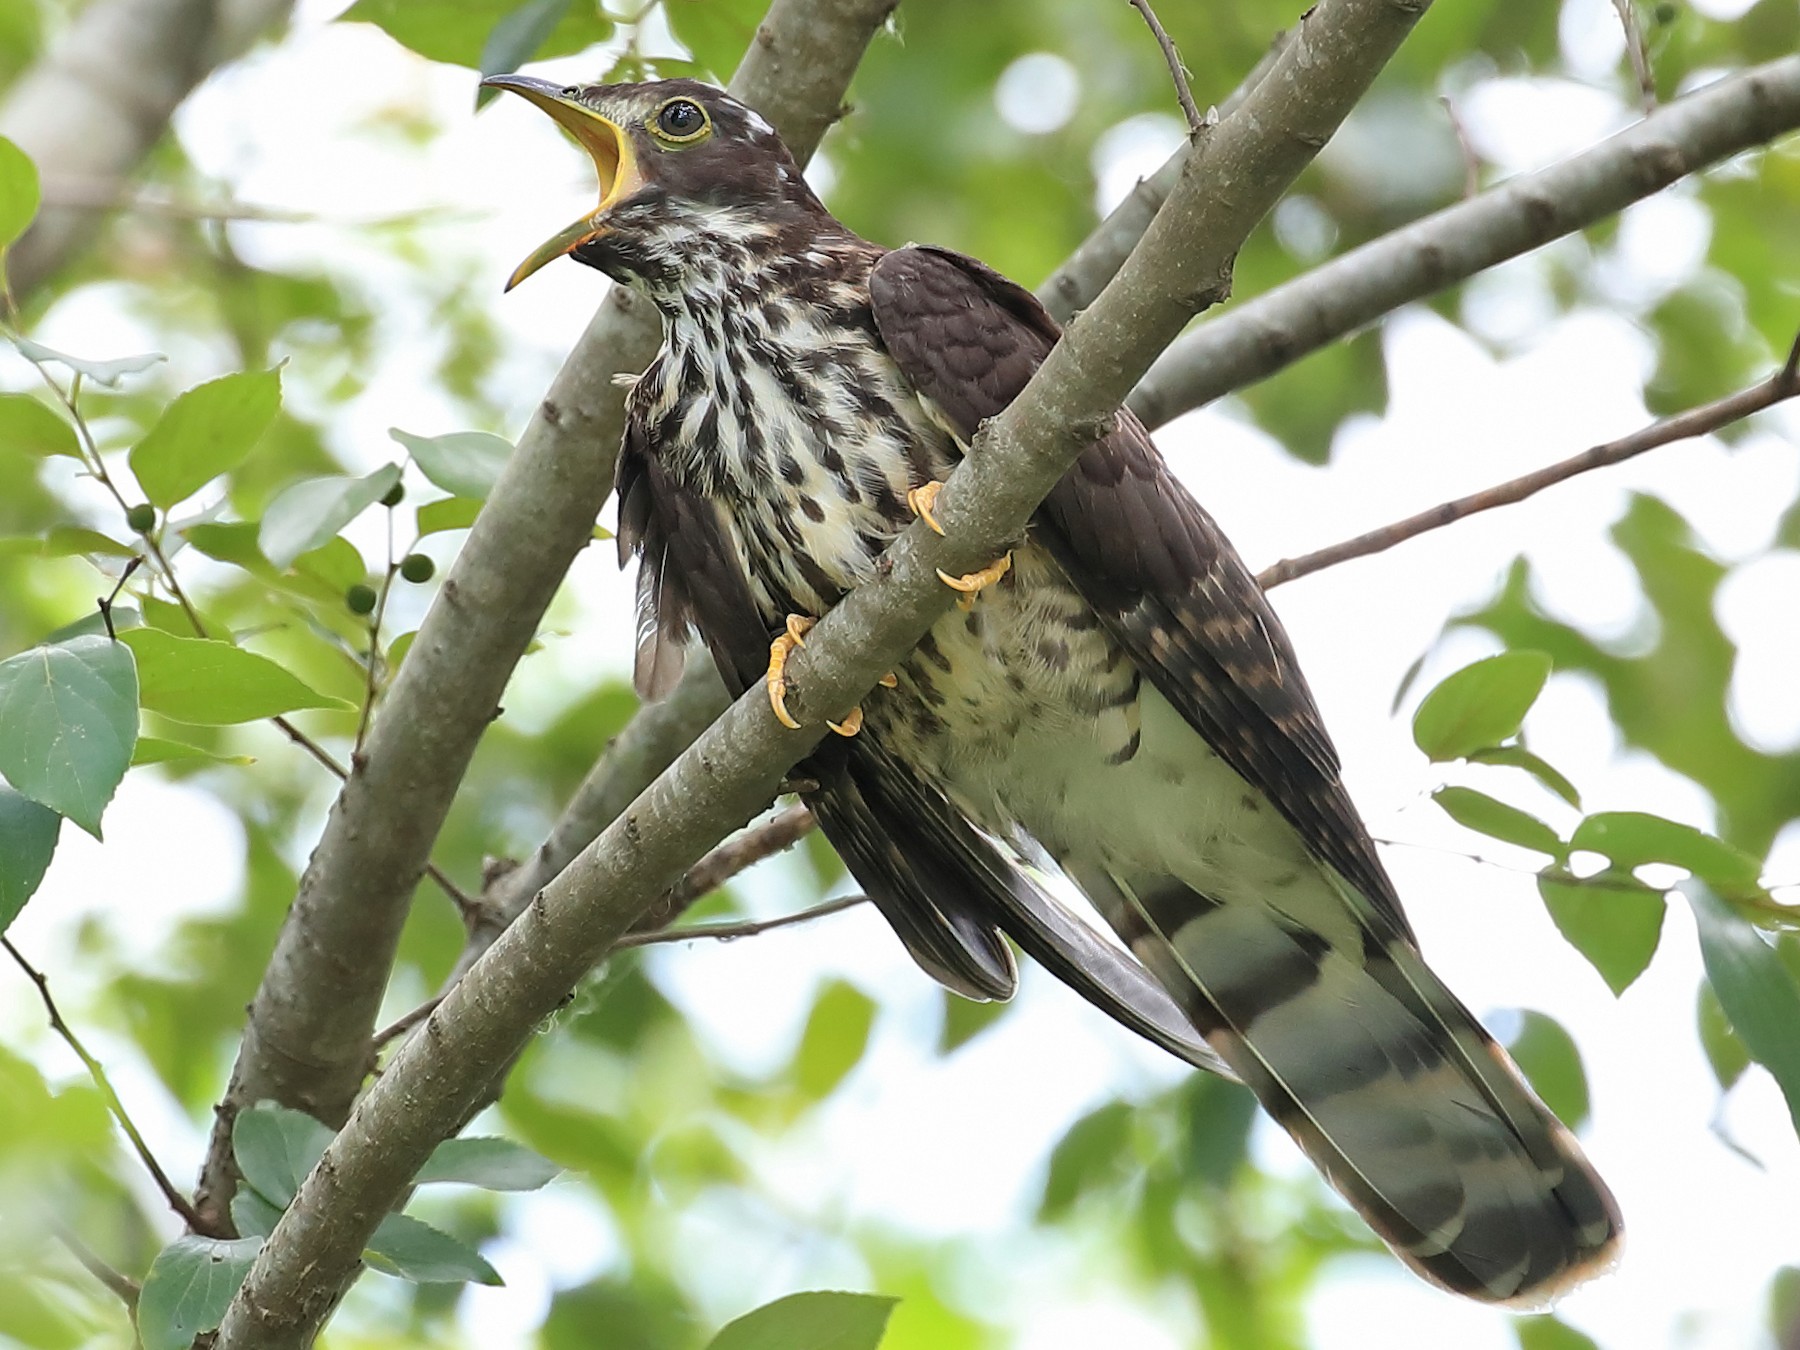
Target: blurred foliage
[[1157, 1191]]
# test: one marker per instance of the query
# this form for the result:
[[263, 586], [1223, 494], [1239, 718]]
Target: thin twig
[[745, 928], [1639, 50], [1471, 160], [1196, 122], [1709, 417], [711, 872], [123, 1285], [177, 1201]]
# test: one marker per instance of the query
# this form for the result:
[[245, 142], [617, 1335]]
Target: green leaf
[[276, 1147], [1632, 838], [205, 432], [109, 373], [211, 683], [449, 513], [1755, 989], [1613, 919], [459, 31], [1547, 1333], [31, 427], [68, 722], [253, 1215], [1094, 1149], [1725, 1051], [19, 193], [515, 39], [27, 840], [965, 1019], [1483, 814], [189, 1286], [464, 463], [310, 513], [155, 750], [493, 1164], [812, 1321], [717, 32], [1547, 1056], [413, 1250], [1518, 757], [64, 541], [837, 1033], [1480, 705]]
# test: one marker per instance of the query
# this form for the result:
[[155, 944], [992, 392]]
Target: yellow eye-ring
[[680, 121]]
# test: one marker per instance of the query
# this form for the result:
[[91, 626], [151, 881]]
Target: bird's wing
[[1160, 574], [940, 884]]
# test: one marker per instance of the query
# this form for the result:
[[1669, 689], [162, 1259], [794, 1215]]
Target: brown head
[[685, 169]]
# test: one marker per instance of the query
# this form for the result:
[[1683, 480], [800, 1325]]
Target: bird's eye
[[680, 120]]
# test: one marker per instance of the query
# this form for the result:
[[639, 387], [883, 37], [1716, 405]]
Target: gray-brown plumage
[[1123, 701]]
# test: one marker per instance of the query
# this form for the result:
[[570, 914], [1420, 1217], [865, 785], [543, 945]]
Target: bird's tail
[[1385, 1080]]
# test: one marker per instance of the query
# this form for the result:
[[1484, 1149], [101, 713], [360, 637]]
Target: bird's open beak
[[607, 145]]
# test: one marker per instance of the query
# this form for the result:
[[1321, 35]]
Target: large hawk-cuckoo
[[1121, 699]]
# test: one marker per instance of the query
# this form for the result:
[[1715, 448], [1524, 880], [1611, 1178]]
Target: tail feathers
[[1389, 1085]]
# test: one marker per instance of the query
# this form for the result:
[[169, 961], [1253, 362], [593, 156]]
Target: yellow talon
[[850, 725], [779, 651], [889, 681], [922, 499], [973, 583]]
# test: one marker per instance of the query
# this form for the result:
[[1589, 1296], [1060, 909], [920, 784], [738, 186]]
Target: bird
[[1113, 700]]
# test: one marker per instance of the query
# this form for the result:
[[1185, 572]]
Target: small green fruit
[[360, 599], [417, 567], [395, 495], [141, 517]]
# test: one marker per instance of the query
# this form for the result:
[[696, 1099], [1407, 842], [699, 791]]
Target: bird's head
[[685, 170]]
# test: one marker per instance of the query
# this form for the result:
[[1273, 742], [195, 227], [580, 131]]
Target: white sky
[[955, 1148]]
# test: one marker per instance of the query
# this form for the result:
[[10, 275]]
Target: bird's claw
[[922, 499], [776, 679], [850, 725], [972, 584]]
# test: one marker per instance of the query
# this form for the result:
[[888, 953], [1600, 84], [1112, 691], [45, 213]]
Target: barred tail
[[1388, 1084]]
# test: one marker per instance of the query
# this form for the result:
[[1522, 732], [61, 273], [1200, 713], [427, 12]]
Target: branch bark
[[1277, 328], [1238, 171], [94, 106], [307, 1041], [1701, 421]]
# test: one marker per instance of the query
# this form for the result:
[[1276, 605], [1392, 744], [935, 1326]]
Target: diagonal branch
[[96, 104], [1272, 331], [1239, 171], [307, 1042], [1709, 417]]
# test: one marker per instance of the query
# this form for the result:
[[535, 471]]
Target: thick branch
[[1701, 421], [95, 105], [1274, 330], [307, 1041], [731, 772]]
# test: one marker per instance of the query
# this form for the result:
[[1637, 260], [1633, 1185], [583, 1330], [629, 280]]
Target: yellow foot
[[922, 499], [889, 681], [850, 725], [972, 584], [779, 650]]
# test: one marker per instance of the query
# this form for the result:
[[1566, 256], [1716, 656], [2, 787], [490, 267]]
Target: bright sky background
[[956, 1147]]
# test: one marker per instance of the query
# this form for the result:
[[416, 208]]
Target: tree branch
[[1240, 169], [1177, 71], [1709, 417], [727, 932], [97, 1072], [94, 106], [1097, 259], [306, 1044], [1275, 329]]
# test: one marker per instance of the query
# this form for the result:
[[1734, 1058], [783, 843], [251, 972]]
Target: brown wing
[[1157, 570]]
